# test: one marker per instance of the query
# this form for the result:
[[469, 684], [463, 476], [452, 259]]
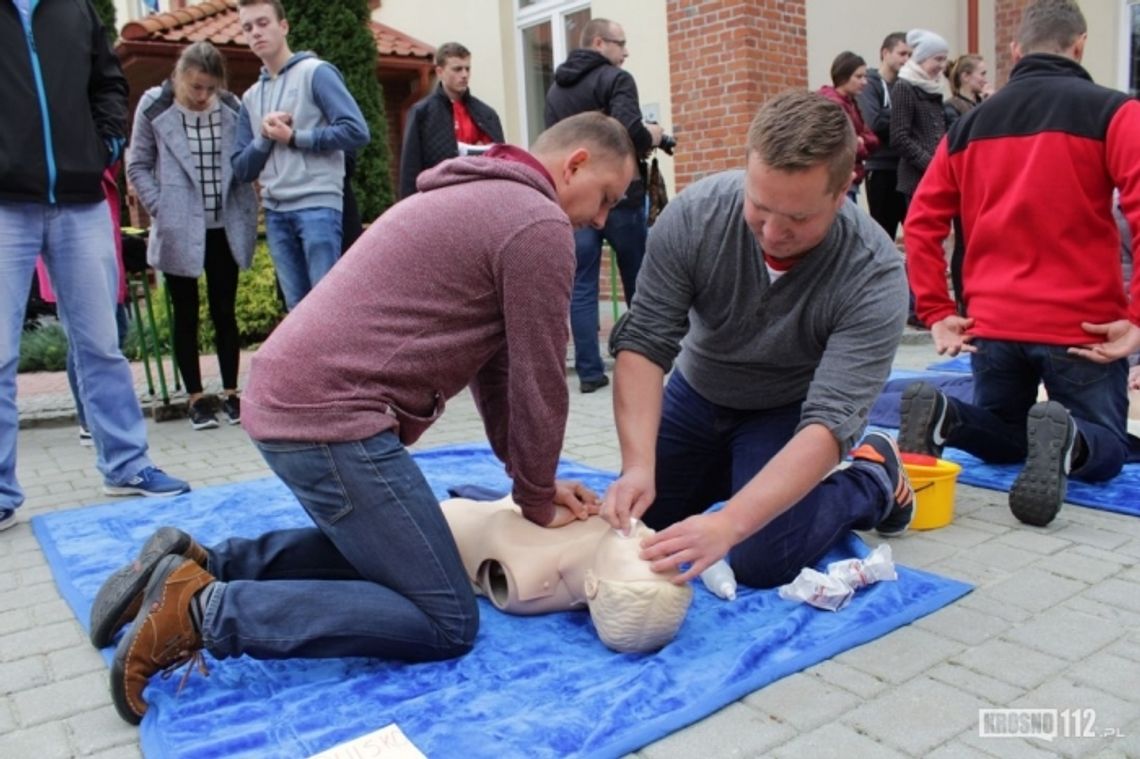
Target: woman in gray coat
[[202, 218]]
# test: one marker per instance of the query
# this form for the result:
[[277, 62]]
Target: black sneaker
[[589, 386], [1039, 491], [880, 448], [231, 407], [922, 422], [201, 418]]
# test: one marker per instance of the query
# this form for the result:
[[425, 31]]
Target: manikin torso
[[526, 569]]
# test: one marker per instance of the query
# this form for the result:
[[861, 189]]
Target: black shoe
[[118, 601], [922, 422], [880, 448], [1039, 491], [231, 407], [201, 418], [589, 386]]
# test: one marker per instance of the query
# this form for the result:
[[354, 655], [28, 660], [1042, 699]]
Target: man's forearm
[[790, 475], [637, 408]]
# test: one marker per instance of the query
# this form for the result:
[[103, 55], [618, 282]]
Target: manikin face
[[934, 65], [856, 83], [589, 188], [896, 57], [264, 32], [455, 76], [790, 212], [613, 45], [194, 89]]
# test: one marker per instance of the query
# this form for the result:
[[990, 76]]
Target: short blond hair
[[798, 130]]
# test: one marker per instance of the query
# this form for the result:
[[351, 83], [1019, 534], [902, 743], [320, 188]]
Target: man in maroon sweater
[[466, 283]]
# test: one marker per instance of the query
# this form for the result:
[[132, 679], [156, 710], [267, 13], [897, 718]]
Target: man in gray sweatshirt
[[296, 122], [782, 305]]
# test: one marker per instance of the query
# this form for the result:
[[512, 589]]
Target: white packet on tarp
[[859, 573], [820, 590]]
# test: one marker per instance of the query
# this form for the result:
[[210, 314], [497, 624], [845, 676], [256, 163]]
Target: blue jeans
[[378, 576], [78, 248], [706, 453], [304, 245], [121, 319], [626, 231], [1006, 375]]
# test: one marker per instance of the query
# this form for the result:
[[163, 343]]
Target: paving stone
[[20, 674], [1108, 672], [900, 655], [967, 680], [1103, 610], [60, 699], [979, 601], [39, 640], [958, 535], [72, 662], [46, 741], [803, 701], [1114, 592], [1064, 633], [858, 682], [963, 624], [1034, 589], [1033, 541], [833, 742], [14, 620], [102, 730], [1003, 748], [1107, 539], [734, 731], [1075, 563], [966, 570], [1061, 693], [916, 550], [1012, 663], [955, 750], [917, 715]]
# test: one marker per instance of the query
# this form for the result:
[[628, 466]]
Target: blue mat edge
[[949, 591]]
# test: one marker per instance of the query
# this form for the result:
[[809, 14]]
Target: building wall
[[1103, 52]]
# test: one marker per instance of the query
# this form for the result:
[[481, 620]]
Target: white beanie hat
[[925, 44]]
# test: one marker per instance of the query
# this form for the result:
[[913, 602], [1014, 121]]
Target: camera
[[668, 142]]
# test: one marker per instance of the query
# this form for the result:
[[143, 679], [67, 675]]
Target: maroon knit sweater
[[465, 283]]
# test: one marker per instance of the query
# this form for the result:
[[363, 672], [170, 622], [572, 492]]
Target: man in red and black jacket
[[1031, 172]]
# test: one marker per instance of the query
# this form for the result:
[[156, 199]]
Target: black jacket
[[587, 81], [429, 136], [875, 105], [86, 103]]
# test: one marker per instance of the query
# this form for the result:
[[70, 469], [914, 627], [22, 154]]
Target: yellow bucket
[[933, 490]]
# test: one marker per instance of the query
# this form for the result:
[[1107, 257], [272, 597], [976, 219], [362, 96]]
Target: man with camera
[[592, 79]]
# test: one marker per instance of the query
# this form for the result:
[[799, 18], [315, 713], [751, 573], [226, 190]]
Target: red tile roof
[[217, 21]]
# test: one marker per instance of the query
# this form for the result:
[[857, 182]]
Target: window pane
[[538, 70], [525, 3], [574, 23]]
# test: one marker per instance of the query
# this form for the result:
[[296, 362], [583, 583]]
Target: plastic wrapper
[[820, 590], [859, 573]]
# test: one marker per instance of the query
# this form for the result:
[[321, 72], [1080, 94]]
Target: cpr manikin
[[526, 569]]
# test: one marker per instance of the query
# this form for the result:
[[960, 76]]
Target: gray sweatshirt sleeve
[[659, 315], [860, 350]]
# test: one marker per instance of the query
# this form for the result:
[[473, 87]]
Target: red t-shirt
[[466, 129]]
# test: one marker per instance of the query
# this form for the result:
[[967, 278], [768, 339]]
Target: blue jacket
[[65, 103]]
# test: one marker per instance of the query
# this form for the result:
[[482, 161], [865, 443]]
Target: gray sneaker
[[1039, 491]]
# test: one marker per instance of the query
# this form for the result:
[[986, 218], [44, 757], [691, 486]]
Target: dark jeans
[[626, 231], [221, 293], [706, 453], [378, 576], [1006, 375], [887, 205]]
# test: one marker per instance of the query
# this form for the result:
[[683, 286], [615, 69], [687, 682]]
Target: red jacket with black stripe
[[1031, 172]]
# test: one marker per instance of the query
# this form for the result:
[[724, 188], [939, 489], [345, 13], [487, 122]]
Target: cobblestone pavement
[[1054, 622]]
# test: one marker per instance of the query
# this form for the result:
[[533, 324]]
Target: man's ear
[[574, 161], [1015, 51], [1079, 47]]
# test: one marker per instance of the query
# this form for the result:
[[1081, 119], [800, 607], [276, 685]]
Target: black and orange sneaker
[[1039, 490], [880, 448]]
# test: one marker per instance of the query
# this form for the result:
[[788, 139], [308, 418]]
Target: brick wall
[[726, 57], [1007, 18]]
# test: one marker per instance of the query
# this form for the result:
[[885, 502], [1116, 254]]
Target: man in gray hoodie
[[782, 305], [296, 123]]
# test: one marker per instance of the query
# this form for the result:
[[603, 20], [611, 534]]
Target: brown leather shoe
[[162, 636], [119, 599]]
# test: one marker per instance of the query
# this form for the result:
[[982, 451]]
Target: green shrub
[[43, 349]]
